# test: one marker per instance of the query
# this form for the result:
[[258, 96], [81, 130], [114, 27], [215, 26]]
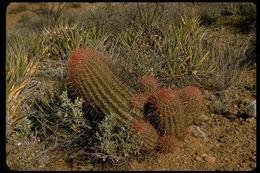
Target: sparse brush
[[62, 39], [22, 62], [227, 53], [115, 142]]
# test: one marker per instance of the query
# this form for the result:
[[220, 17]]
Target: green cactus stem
[[194, 103], [168, 144], [149, 83], [90, 77], [167, 113], [147, 133]]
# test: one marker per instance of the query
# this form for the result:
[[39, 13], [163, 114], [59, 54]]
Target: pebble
[[204, 117], [198, 158], [209, 158], [251, 109], [196, 131], [218, 107]]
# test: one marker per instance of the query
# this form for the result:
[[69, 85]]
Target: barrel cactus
[[148, 136], [90, 77], [194, 102], [168, 143], [166, 112], [149, 83]]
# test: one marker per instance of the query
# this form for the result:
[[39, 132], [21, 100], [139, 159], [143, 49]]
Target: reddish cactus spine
[[149, 83], [194, 102], [168, 143], [167, 112], [147, 133]]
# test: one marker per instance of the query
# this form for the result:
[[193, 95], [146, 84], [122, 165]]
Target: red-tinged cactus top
[[165, 95], [168, 143], [147, 132], [79, 54], [141, 126], [193, 92], [149, 80], [139, 100], [77, 58]]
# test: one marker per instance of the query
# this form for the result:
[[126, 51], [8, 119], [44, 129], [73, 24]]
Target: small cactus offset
[[149, 83], [90, 77], [167, 113], [147, 133], [168, 143], [194, 103], [138, 100]]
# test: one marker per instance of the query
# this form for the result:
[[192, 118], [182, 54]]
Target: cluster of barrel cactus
[[159, 115]]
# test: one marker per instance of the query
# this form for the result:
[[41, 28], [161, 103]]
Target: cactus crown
[[165, 95], [193, 92], [149, 83]]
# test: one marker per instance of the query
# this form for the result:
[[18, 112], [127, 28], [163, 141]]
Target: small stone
[[251, 109], [197, 132], [204, 117], [198, 158], [218, 107], [209, 158]]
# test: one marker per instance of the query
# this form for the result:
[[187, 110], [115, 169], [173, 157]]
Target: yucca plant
[[22, 62]]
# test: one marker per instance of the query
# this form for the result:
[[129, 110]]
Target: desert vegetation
[[159, 61]]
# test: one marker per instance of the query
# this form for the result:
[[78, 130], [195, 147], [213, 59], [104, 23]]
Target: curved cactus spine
[[90, 76], [147, 133], [167, 112]]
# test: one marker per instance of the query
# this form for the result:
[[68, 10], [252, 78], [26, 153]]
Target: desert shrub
[[18, 9], [228, 52], [165, 55], [115, 144], [239, 17], [52, 11], [22, 63], [181, 54]]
